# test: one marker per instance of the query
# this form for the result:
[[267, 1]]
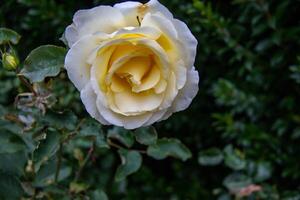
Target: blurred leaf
[[10, 142], [8, 35], [13, 163], [263, 171], [122, 135], [94, 129], [98, 195], [90, 128], [233, 158], [146, 135], [169, 147], [8, 126], [131, 162], [295, 73], [10, 187], [78, 187], [64, 120], [236, 181], [210, 157], [44, 61], [47, 148], [46, 174]]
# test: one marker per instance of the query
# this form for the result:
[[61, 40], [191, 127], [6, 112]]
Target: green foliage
[[44, 61], [9, 36], [210, 157], [131, 162], [146, 135], [10, 187], [244, 125], [125, 137], [169, 147]]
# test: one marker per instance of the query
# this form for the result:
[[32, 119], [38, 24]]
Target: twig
[[111, 143], [74, 133], [90, 152], [59, 157], [26, 83]]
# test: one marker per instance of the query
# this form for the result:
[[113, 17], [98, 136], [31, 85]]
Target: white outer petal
[[104, 19], [155, 6], [89, 98], [161, 23], [188, 42], [75, 62], [188, 92], [128, 122], [181, 74], [71, 35], [157, 116], [129, 10]]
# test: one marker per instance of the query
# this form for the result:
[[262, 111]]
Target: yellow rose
[[132, 63]]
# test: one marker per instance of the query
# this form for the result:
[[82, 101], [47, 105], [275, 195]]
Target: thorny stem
[[58, 164]]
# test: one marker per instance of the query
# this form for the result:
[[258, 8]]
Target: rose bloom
[[133, 63]]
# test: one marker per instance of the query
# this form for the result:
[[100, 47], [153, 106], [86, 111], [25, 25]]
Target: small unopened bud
[[10, 61]]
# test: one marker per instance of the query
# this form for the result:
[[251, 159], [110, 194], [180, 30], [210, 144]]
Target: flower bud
[[10, 61]]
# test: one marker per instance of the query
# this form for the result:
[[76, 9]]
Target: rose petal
[[130, 102], [188, 92], [128, 122], [75, 62], [181, 73], [130, 12], [155, 6], [170, 93], [149, 81], [104, 19], [188, 41], [155, 117], [168, 39], [89, 98]]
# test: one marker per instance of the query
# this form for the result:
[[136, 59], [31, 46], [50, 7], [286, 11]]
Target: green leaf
[[10, 187], [210, 157], [98, 195], [78, 187], [91, 128], [65, 120], [169, 147], [47, 148], [46, 174], [131, 162], [13, 163], [146, 135], [8, 126], [8, 35], [263, 171], [234, 158], [236, 181], [10, 142], [122, 135], [44, 61]]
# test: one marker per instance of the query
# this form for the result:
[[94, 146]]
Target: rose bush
[[132, 63]]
